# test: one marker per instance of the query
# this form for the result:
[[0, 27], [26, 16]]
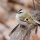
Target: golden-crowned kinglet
[[25, 18]]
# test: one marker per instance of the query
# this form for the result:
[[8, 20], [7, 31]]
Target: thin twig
[[13, 30]]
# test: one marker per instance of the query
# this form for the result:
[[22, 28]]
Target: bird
[[25, 18], [29, 20]]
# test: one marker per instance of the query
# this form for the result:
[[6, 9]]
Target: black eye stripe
[[20, 10]]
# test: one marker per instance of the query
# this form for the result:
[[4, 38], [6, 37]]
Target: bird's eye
[[27, 19]]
